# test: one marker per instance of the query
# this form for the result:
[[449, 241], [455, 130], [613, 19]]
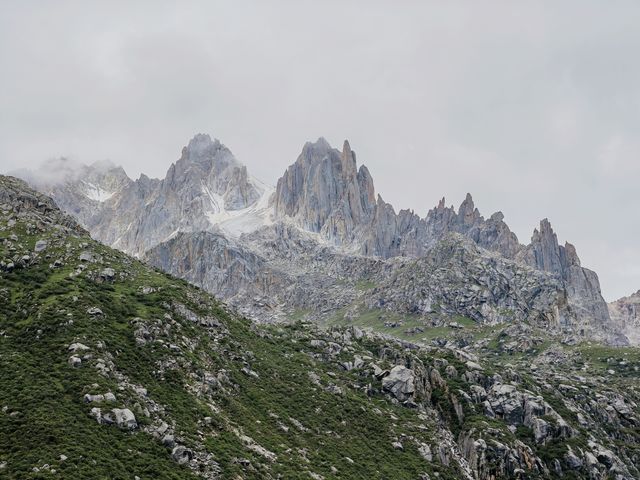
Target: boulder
[[74, 347], [40, 246], [108, 275], [75, 361], [181, 454], [124, 418], [400, 383]]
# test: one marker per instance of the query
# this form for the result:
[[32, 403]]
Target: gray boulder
[[181, 454], [400, 383]]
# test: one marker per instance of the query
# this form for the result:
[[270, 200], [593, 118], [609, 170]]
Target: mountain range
[[347, 340], [113, 369], [322, 245]]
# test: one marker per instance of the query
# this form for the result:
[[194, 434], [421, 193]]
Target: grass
[[44, 310]]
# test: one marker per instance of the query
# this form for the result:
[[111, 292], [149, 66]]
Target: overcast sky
[[533, 107]]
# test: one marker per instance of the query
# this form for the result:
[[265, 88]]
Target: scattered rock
[[40, 246], [181, 454], [75, 361]]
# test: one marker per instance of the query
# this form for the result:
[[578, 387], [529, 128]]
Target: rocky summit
[[452, 365]]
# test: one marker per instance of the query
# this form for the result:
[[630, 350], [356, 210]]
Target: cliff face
[[582, 285], [625, 313], [324, 192]]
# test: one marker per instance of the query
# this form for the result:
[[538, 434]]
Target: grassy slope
[[44, 310]]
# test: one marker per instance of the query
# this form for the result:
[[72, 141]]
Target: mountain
[[206, 189], [112, 369], [626, 313], [306, 247]]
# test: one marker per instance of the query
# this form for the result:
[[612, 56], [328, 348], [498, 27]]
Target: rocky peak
[[582, 285], [97, 181], [468, 214], [625, 313], [348, 161], [545, 251], [208, 168], [324, 192]]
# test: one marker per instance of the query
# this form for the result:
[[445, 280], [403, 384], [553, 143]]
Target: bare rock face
[[625, 313], [582, 285], [215, 263], [459, 278], [325, 193], [81, 190], [400, 383]]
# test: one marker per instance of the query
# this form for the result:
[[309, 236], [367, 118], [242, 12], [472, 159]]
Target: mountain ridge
[[326, 194]]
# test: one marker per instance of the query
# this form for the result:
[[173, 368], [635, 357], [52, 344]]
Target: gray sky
[[533, 107]]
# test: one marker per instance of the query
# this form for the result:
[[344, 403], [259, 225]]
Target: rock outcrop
[[625, 313], [324, 192], [582, 285]]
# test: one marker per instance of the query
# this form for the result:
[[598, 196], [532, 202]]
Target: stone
[[40, 246], [572, 461], [87, 257], [94, 312], [108, 275], [88, 398], [181, 454], [124, 418], [399, 382], [541, 430], [75, 347], [168, 441], [473, 365], [75, 361]]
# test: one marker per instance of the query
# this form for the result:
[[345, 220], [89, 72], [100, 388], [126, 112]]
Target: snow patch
[[94, 192], [236, 222]]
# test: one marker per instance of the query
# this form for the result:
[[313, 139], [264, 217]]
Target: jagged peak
[[320, 144], [545, 226], [467, 205], [497, 217], [202, 144], [571, 254], [201, 140], [346, 148], [364, 171], [203, 154], [542, 230], [105, 165], [62, 170]]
